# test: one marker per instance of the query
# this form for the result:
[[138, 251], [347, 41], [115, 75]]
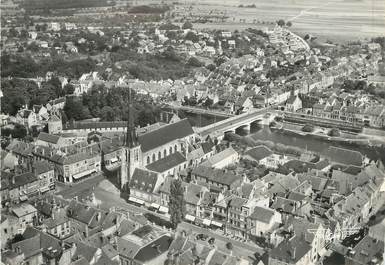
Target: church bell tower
[[131, 152]]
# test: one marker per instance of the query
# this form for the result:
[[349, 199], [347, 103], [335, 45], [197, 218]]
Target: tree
[[308, 128], [33, 47], [281, 22], [69, 89], [73, 109], [289, 24], [230, 247], [177, 203], [187, 25], [208, 102], [334, 132], [192, 36], [193, 61], [211, 67]]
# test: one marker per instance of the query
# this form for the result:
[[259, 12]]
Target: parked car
[[202, 237]]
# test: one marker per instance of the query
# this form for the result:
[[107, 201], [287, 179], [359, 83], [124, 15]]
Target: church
[[160, 152]]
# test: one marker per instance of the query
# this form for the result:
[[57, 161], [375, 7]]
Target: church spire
[[131, 138]]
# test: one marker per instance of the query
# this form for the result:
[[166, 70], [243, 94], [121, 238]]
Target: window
[[176, 148], [148, 160], [153, 158], [136, 155], [170, 150], [165, 153], [159, 155]]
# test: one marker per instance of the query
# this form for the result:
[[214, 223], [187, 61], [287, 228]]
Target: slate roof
[[23, 209], [85, 214], [58, 218], [262, 214], [366, 250], [19, 180], [217, 158], [165, 187], [216, 175], [207, 147], [20, 148], [50, 138], [192, 194], [165, 134], [154, 249], [143, 180], [286, 249], [259, 152], [126, 227], [167, 162], [41, 167], [127, 248]]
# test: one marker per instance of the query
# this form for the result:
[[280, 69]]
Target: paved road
[[69, 192], [201, 110], [223, 125]]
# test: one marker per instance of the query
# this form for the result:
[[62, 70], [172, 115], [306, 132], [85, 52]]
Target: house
[[32, 35], [9, 227], [55, 125], [71, 167], [85, 220], [39, 247], [264, 156], [368, 251], [294, 103], [50, 140], [41, 112], [143, 186], [54, 26], [26, 117], [194, 196], [26, 215], [58, 225], [143, 246], [70, 47], [291, 251], [18, 187], [56, 104], [243, 104], [222, 159], [262, 220], [218, 178], [21, 150]]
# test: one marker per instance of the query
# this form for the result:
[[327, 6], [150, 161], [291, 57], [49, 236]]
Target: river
[[310, 143]]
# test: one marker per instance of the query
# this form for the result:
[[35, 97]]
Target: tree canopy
[[177, 203]]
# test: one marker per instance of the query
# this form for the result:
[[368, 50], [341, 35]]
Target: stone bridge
[[242, 121]]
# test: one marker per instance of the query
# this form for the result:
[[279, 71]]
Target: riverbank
[[322, 133], [319, 145]]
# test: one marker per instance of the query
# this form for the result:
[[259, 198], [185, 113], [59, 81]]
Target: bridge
[[242, 121], [200, 110]]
